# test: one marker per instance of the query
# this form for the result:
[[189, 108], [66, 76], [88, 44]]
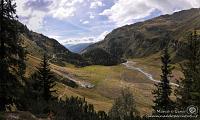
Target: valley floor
[[108, 81]]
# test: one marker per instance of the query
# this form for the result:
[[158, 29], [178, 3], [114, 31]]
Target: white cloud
[[96, 4], [90, 39], [78, 40], [34, 18], [102, 36], [127, 11], [62, 9], [91, 16], [57, 37], [62, 13], [85, 22], [20, 8]]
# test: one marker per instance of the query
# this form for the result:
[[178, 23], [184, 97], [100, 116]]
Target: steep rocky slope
[[36, 44], [151, 36]]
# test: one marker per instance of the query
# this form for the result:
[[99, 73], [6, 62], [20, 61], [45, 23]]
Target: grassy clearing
[[108, 83]]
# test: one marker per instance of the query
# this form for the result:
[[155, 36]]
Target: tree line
[[36, 94]]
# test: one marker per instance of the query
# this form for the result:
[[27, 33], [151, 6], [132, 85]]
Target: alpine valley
[[128, 57]]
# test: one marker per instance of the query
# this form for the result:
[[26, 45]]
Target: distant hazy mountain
[[149, 37], [77, 48]]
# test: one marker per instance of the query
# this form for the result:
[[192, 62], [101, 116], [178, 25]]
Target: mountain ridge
[[151, 36], [37, 44]]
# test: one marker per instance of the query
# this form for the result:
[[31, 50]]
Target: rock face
[[151, 36]]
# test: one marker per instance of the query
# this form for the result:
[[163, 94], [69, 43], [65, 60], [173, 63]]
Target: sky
[[86, 21]]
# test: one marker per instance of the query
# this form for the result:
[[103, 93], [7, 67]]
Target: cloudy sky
[[83, 21]]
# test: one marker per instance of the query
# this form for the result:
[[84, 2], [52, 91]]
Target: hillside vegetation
[[149, 37], [36, 44]]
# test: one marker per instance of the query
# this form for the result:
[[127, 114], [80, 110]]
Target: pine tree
[[188, 92], [11, 55], [45, 80], [163, 89]]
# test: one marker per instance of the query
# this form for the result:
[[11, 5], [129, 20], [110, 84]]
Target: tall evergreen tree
[[11, 55], [44, 80], [163, 89], [188, 92]]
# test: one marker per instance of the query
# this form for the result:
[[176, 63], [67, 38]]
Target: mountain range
[[146, 38], [141, 39], [37, 44], [77, 48]]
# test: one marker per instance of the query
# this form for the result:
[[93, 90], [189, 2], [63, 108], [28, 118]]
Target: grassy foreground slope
[[108, 81]]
